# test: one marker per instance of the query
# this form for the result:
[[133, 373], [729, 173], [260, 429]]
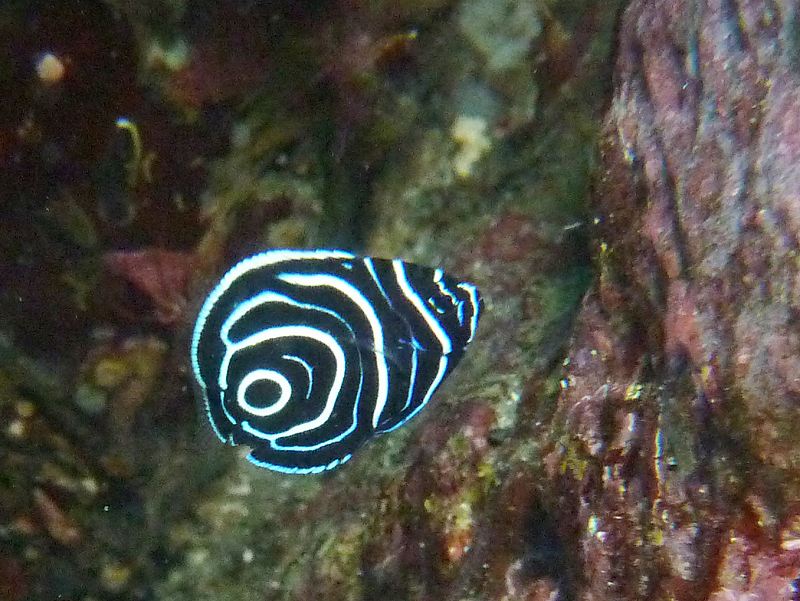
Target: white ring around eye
[[256, 376]]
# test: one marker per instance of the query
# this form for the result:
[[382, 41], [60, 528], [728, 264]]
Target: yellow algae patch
[[50, 69], [469, 133]]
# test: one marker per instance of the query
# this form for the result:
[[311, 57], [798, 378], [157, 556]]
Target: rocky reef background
[[617, 178]]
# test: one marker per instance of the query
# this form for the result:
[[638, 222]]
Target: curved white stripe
[[412, 378], [271, 297], [289, 332], [473, 299], [264, 259], [211, 419], [374, 321], [416, 300], [443, 361], [241, 310], [304, 448], [258, 375], [309, 370], [316, 469], [432, 303], [437, 278], [371, 268], [227, 413]]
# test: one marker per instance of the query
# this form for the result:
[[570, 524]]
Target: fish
[[305, 355]]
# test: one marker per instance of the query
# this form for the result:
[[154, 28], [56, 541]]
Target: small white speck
[[16, 429], [50, 68]]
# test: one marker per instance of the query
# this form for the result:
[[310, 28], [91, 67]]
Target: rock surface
[[658, 461], [681, 409]]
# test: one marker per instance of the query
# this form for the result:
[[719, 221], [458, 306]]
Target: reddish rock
[[514, 237], [215, 74], [161, 275], [13, 580], [681, 408], [60, 526]]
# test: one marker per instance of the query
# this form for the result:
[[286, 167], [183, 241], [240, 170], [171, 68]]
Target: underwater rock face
[[681, 399]]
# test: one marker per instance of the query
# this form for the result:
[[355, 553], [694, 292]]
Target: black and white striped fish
[[305, 355]]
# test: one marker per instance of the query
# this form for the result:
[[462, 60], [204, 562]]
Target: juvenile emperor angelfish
[[304, 355]]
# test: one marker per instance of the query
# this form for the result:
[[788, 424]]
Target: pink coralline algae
[[682, 409], [161, 275]]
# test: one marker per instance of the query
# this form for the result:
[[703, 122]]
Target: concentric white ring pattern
[[305, 355]]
